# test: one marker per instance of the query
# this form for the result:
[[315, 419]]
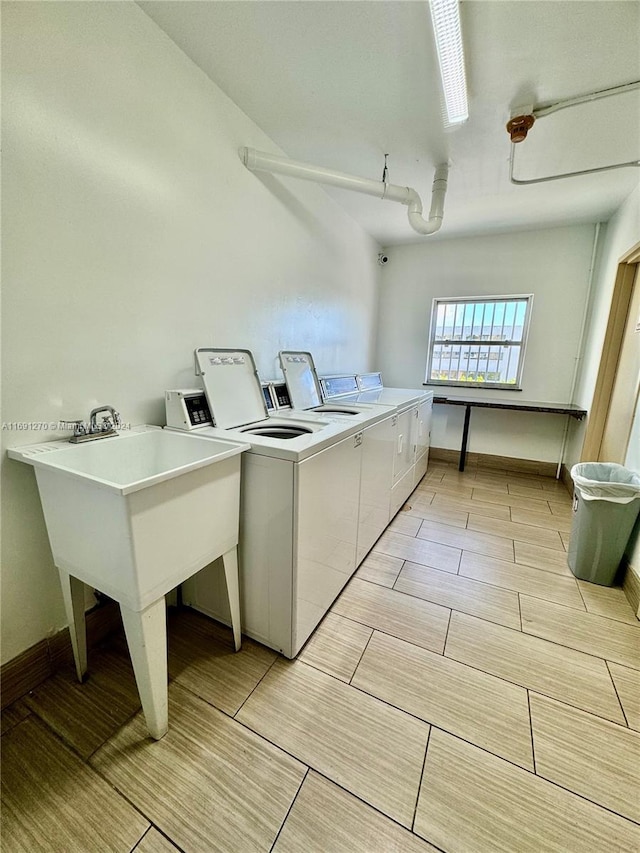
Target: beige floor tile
[[155, 842], [548, 559], [588, 755], [423, 493], [547, 668], [557, 488], [374, 751], [393, 612], [475, 706], [608, 601], [86, 715], [380, 568], [565, 540], [441, 502], [587, 632], [327, 819], [525, 579], [14, 714], [404, 523], [627, 682], [521, 532], [453, 491], [480, 542], [51, 801], [556, 493], [443, 516], [209, 784], [336, 646], [460, 593], [541, 519], [431, 554], [563, 510], [474, 802], [529, 481], [472, 480], [202, 658], [538, 504]]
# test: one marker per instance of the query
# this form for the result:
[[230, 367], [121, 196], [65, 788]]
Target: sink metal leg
[[146, 632], [73, 594], [230, 562]]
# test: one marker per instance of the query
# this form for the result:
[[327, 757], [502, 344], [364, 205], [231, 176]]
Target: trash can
[[606, 502]]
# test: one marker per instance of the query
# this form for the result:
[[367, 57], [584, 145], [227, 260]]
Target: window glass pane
[[478, 342]]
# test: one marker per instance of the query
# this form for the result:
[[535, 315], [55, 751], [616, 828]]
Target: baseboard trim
[[631, 587], [501, 463], [34, 665]]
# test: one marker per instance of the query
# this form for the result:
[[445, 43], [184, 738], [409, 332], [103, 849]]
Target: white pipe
[[585, 99], [260, 161], [580, 350], [561, 105]]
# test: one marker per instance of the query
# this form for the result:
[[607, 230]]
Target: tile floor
[[465, 693]]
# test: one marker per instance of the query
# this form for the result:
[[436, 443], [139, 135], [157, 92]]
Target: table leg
[[465, 438], [230, 562], [146, 632], [73, 594]]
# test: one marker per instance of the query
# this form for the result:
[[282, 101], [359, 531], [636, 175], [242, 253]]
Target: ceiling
[[341, 83]]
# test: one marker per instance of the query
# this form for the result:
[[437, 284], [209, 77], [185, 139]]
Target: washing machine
[[413, 411], [305, 392], [300, 497]]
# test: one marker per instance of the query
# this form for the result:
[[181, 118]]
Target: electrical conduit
[[259, 161]]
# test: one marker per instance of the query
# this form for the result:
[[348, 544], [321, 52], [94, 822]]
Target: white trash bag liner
[[606, 481]]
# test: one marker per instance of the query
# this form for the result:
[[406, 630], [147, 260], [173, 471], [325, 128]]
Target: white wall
[[132, 234], [551, 264], [622, 232]]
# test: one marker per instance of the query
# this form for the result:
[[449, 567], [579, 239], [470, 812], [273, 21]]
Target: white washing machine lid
[[232, 386], [301, 378]]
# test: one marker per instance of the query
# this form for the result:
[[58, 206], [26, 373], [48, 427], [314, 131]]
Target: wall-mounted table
[[469, 403]]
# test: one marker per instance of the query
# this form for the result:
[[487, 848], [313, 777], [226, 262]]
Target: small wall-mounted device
[[383, 259], [187, 409]]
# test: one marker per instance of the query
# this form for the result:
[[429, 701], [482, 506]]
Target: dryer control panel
[[187, 409]]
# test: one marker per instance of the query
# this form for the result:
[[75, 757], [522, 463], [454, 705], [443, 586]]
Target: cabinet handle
[[400, 442]]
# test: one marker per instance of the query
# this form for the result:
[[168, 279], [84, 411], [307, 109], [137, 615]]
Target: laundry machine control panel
[[187, 409]]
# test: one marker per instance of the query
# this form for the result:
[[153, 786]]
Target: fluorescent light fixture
[[445, 15]]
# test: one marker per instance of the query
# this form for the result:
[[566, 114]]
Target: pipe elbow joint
[[424, 226]]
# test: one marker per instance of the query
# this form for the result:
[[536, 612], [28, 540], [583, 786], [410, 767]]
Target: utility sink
[[130, 461], [134, 515]]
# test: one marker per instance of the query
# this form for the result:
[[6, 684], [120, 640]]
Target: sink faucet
[[110, 423]]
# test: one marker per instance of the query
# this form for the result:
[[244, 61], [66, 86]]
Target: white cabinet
[[298, 533], [378, 450], [404, 450], [327, 498], [404, 458], [423, 422]]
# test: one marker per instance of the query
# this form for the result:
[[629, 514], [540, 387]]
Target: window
[[478, 343]]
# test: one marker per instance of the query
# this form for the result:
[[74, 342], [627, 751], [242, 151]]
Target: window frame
[[480, 300]]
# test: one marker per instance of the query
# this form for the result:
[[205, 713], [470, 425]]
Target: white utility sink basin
[[134, 515], [130, 461]]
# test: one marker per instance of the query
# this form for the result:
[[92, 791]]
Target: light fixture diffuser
[[445, 15]]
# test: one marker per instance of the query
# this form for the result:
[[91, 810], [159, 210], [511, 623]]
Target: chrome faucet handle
[[79, 427]]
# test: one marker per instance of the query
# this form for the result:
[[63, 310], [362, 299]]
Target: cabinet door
[[405, 443], [378, 449], [423, 438], [327, 497]]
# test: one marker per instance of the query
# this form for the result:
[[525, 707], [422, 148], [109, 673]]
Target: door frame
[[618, 314]]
